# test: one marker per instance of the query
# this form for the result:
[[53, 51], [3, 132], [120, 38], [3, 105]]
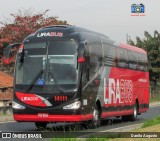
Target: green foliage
[[97, 139], [63, 139], [151, 44]]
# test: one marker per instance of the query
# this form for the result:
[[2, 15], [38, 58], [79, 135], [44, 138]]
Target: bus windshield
[[46, 65]]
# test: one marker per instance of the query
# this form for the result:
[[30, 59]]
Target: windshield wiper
[[33, 81], [55, 81]]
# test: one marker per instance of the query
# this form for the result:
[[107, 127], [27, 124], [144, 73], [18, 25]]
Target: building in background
[[6, 91]]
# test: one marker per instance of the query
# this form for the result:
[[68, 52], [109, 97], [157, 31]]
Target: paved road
[[106, 124]]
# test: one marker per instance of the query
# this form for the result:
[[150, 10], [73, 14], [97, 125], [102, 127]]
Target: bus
[[67, 73]]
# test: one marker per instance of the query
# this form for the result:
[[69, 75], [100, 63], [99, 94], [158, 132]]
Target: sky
[[110, 17]]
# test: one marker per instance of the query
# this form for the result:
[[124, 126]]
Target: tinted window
[[62, 61], [133, 60], [141, 62], [109, 55], [95, 53], [122, 58], [62, 47], [145, 61], [52, 63]]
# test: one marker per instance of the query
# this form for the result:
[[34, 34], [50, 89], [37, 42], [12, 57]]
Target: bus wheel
[[133, 117], [96, 121], [41, 125]]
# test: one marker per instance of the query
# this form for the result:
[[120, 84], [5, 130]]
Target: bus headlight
[[75, 105], [17, 106]]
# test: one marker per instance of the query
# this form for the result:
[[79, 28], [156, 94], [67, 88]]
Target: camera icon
[[137, 8]]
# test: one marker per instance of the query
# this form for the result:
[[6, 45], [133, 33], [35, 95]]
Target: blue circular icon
[[40, 81]]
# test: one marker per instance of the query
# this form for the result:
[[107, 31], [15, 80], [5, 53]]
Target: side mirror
[[7, 52], [80, 50]]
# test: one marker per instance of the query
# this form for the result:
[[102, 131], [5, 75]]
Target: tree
[[152, 45], [22, 24]]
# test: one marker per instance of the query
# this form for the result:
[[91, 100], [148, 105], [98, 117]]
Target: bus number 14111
[[60, 98]]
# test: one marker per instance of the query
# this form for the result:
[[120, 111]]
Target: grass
[[150, 127], [5, 116], [151, 122], [155, 99], [63, 139], [97, 139], [150, 130], [10, 114]]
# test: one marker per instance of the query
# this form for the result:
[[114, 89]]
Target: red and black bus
[[71, 74]]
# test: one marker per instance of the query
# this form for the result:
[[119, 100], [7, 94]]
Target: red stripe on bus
[[117, 113], [129, 47], [58, 118]]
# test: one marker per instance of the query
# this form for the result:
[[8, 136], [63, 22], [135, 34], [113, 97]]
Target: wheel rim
[[96, 118], [135, 111], [96, 115]]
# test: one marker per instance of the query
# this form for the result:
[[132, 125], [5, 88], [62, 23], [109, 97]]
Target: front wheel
[[41, 125], [96, 121]]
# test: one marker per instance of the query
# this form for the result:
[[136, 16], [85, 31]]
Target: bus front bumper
[[51, 118]]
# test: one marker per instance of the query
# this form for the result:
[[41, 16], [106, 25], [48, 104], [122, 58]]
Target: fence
[[6, 97]]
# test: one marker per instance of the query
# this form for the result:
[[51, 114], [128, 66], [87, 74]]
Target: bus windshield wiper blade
[[55, 81], [33, 81]]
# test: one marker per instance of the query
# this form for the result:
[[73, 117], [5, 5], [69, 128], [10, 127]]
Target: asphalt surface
[[107, 124]]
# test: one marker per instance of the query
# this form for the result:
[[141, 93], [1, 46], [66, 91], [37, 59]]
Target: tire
[[41, 125], [96, 121], [133, 117]]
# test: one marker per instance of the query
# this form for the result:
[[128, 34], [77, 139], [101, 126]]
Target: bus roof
[[71, 28], [130, 47], [60, 30]]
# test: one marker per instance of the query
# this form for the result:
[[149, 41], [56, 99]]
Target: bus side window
[[141, 62], [133, 60], [95, 53], [110, 58], [122, 58], [145, 62]]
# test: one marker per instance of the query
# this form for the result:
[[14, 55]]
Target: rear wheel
[[41, 125], [133, 117]]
